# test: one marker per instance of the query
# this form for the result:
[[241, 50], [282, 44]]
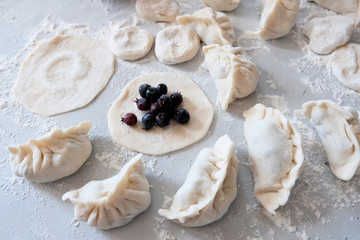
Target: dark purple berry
[[176, 99], [148, 121], [164, 101], [170, 111], [152, 94], [162, 119], [182, 116], [129, 119], [162, 88], [142, 104], [155, 108], [143, 88]]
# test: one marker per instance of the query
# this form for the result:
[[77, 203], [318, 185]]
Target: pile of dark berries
[[161, 107]]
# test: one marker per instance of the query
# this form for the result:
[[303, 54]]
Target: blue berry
[[148, 121], [143, 88], [162, 119], [182, 116], [162, 88]]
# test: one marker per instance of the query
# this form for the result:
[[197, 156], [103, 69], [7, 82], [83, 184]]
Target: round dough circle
[[131, 43], [176, 44], [62, 74], [175, 136], [157, 10], [346, 67]]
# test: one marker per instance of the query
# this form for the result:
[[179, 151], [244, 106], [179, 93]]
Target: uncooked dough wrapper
[[114, 201], [62, 74], [211, 26], [328, 33], [157, 10], [277, 18], [52, 157], [235, 75], [275, 154], [209, 188], [175, 136], [339, 131], [222, 5], [345, 65]]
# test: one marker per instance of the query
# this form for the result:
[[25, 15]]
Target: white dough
[[62, 74], [175, 136], [277, 18], [339, 131], [235, 75], [345, 65], [157, 10], [114, 201], [209, 188], [52, 157], [339, 6], [275, 154], [328, 33], [131, 42], [176, 44], [211, 26], [222, 5]]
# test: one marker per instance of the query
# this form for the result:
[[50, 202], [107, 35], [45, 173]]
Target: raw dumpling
[[345, 65], [115, 201], [275, 154], [343, 7], [176, 44], [52, 157], [210, 25], [235, 75], [339, 131], [62, 74], [278, 17], [222, 5], [157, 10], [328, 33], [130, 42], [209, 188]]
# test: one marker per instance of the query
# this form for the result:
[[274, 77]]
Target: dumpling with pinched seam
[[115, 201]]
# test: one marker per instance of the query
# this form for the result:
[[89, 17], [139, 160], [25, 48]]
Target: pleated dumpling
[[115, 201], [275, 154], [52, 157], [209, 188], [339, 131], [278, 17], [235, 75], [211, 26]]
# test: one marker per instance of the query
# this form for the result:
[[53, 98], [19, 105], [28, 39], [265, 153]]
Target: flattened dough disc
[[62, 74], [175, 136]]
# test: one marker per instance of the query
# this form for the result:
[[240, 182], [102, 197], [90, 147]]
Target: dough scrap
[[275, 154], [52, 157], [176, 44], [339, 131], [328, 33], [209, 188], [114, 201], [157, 10], [211, 26], [277, 18], [222, 5], [235, 75], [345, 65], [62, 74], [131, 42], [175, 136]]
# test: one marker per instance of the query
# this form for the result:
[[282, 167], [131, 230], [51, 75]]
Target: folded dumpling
[[278, 17], [115, 201], [343, 7], [235, 75], [275, 154], [339, 131], [52, 157], [222, 5], [209, 188], [211, 26]]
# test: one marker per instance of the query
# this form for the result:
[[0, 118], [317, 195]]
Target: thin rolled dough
[[175, 136], [62, 74]]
